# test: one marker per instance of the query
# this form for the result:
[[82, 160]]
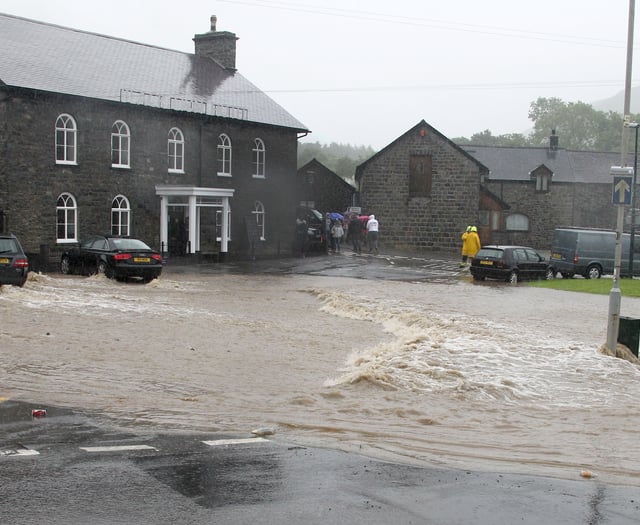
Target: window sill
[[179, 172], [259, 176], [220, 174], [65, 163], [120, 167]]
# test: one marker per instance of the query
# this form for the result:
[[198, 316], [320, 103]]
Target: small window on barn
[[420, 175], [518, 222]]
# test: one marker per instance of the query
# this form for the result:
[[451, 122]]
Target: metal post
[[613, 322], [633, 201]]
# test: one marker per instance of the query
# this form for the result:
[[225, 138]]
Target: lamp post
[[632, 235]]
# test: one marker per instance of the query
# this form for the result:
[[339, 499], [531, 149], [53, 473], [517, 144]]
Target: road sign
[[622, 185]]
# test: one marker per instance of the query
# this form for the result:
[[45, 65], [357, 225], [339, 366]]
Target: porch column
[[164, 225], [193, 224], [224, 236]]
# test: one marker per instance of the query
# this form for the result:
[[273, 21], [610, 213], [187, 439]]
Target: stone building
[[320, 188], [104, 135], [541, 189], [423, 189]]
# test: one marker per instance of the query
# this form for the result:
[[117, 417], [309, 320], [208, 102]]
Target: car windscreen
[[492, 253], [129, 244]]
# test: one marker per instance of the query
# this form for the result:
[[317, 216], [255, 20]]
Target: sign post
[[620, 197]]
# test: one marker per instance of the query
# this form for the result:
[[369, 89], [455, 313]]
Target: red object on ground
[[38, 412]]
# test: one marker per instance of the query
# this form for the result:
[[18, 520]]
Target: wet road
[[73, 468], [57, 470]]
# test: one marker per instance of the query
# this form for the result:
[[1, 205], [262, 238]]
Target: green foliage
[[339, 158], [578, 125], [628, 287]]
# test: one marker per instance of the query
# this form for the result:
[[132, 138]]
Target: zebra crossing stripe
[[118, 448]]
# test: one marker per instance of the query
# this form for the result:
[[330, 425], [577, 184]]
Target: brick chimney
[[217, 45]]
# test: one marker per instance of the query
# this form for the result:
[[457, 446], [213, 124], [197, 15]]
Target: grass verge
[[628, 287]]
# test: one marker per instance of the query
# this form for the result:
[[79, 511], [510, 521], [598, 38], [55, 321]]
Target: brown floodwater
[[507, 378]]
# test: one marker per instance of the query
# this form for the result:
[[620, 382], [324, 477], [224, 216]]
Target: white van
[[591, 252]]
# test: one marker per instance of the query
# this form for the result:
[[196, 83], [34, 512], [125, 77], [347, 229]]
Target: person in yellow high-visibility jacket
[[470, 245]]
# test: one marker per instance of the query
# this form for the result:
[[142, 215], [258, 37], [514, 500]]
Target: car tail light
[[21, 263], [575, 259], [122, 256], [157, 256]]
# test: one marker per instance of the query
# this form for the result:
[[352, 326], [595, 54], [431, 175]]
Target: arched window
[[66, 140], [258, 213], [120, 142], [120, 216], [175, 148], [66, 219], [224, 156], [517, 222], [259, 159]]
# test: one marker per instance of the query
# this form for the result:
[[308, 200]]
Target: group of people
[[353, 228], [470, 245]]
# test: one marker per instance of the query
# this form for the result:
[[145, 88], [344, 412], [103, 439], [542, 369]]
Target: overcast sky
[[364, 72]]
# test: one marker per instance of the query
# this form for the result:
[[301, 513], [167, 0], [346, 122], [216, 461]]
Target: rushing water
[[469, 376]]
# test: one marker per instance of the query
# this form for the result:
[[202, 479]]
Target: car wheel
[[593, 272], [551, 274], [65, 265], [103, 267], [513, 277]]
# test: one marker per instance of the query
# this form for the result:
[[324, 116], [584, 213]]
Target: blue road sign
[[622, 185]]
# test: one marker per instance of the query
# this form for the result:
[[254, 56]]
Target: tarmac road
[[75, 468]]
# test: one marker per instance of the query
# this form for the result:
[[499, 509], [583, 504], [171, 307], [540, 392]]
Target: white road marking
[[19, 452], [219, 442], [118, 448]]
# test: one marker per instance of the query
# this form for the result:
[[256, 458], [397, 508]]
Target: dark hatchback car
[[14, 264], [315, 227], [118, 258], [509, 263]]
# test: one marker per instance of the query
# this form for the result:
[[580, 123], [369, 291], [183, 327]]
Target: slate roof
[[516, 163], [46, 57]]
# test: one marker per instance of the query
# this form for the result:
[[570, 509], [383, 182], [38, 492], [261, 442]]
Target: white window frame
[[224, 155], [542, 182], [258, 213], [66, 140], [175, 151], [66, 218], [259, 157], [120, 145], [120, 216]]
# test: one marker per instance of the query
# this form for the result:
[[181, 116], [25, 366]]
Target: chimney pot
[[214, 21]]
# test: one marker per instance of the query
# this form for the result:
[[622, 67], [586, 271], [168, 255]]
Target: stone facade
[[31, 181], [428, 209]]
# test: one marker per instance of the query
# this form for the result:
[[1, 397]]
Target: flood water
[[507, 378]]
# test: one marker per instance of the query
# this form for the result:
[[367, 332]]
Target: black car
[[315, 227], [14, 264], [509, 263], [118, 258]]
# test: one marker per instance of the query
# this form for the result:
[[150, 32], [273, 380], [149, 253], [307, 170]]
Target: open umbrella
[[334, 215]]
